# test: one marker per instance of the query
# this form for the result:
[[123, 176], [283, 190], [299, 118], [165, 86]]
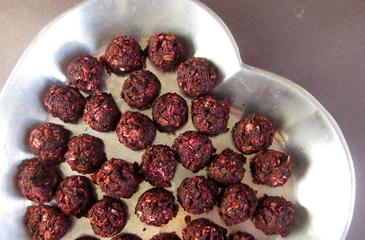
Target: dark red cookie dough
[[127, 236], [165, 236], [237, 203], [75, 195], [195, 77], [118, 178], [156, 207], [85, 153], [159, 165], [141, 89], [101, 112], [193, 150], [165, 51], [197, 194], [123, 54], [253, 134], [87, 238], [135, 130], [241, 236], [227, 167], [274, 215], [202, 229], [85, 72], [65, 103], [44, 222], [210, 115], [38, 180], [108, 217], [48, 141], [271, 168], [170, 112]]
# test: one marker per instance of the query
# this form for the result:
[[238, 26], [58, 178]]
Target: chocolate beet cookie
[[45, 222], [272, 168], [202, 229], [123, 54], [197, 194], [65, 103], [195, 77], [210, 115], [237, 203], [85, 153], [227, 167], [101, 112], [274, 215], [159, 165], [156, 207], [118, 178], [85, 72], [107, 217], [241, 236], [141, 89], [170, 112], [38, 180], [48, 141], [135, 130], [165, 51], [75, 195], [193, 150]]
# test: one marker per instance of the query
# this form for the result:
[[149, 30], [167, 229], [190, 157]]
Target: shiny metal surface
[[322, 187]]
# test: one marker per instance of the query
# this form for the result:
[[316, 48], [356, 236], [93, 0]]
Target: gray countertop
[[318, 45]]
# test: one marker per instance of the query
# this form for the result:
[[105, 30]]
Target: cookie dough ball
[[85, 72], [136, 130], [274, 215], [271, 168], [44, 222], [101, 112], [118, 178], [75, 195], [227, 167], [193, 150], [127, 236], [123, 54], [237, 203], [87, 238], [38, 180], [210, 115], [195, 77], [141, 89], [170, 112], [65, 103], [85, 153], [203, 228], [253, 134], [241, 236], [48, 141], [159, 165], [156, 207], [165, 236], [165, 51], [197, 194], [108, 217]]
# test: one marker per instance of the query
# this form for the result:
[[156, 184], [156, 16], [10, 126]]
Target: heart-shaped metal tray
[[322, 187]]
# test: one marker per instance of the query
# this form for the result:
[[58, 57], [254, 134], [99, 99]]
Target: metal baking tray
[[322, 187]]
